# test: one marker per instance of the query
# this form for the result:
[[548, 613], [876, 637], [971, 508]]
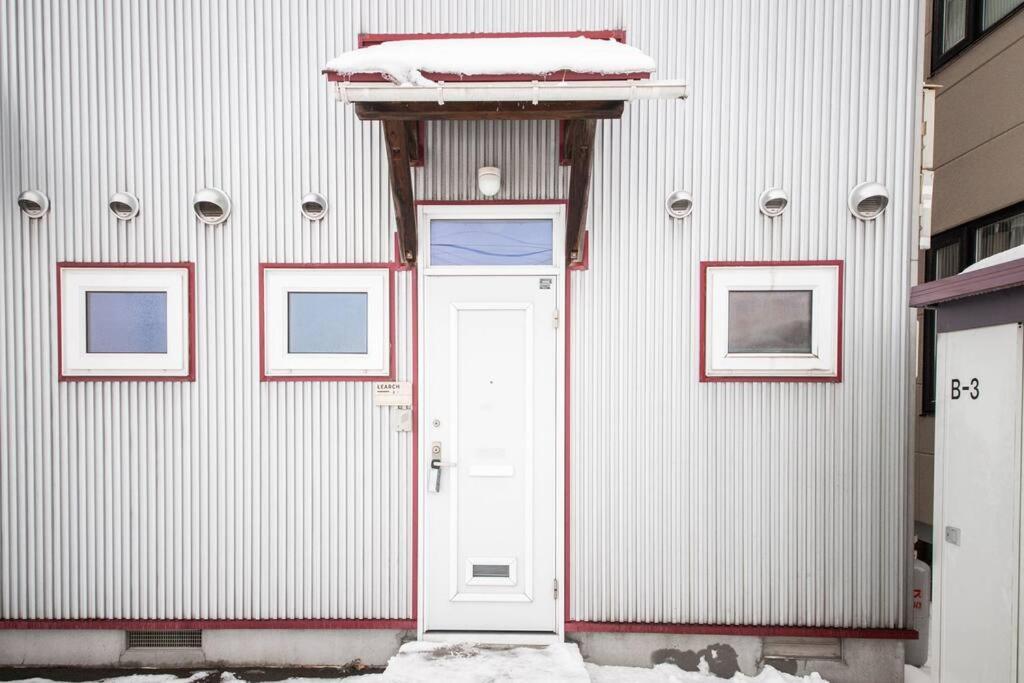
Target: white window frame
[[555, 212], [279, 280], [823, 280], [77, 280]]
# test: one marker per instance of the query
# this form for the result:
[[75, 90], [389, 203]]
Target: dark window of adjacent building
[[958, 23], [951, 252]]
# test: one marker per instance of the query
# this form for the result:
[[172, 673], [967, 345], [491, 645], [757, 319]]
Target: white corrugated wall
[[730, 503]]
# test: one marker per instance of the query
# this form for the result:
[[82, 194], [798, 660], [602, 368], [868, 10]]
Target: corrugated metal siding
[[737, 503], [747, 503]]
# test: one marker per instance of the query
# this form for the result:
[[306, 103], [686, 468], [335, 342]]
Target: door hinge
[[555, 317], [556, 589]]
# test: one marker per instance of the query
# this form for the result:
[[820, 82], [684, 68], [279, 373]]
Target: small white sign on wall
[[392, 393]]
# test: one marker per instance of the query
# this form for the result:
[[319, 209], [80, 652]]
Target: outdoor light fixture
[[33, 203], [772, 202], [124, 205], [488, 179], [212, 206], [868, 200], [679, 204], [314, 206]]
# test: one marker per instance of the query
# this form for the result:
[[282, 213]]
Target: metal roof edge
[[1001, 276]]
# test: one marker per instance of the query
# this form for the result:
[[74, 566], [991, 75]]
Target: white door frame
[[490, 210]]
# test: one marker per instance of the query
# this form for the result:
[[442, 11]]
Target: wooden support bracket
[[400, 138], [580, 145]]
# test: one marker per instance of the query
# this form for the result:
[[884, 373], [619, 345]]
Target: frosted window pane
[[770, 321], [327, 322], [490, 242], [126, 322], [954, 22]]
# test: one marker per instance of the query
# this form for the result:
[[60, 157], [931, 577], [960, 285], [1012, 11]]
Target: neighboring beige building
[[974, 50]]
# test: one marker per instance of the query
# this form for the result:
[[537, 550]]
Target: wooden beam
[[580, 143], [414, 129], [397, 139], [470, 111]]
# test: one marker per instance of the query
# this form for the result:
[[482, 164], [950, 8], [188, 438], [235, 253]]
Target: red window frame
[[191, 322], [392, 354], [833, 379]]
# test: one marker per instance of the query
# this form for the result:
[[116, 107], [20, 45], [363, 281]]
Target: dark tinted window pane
[[947, 260], [999, 236], [770, 321], [490, 242], [327, 322], [126, 322], [954, 22], [994, 10]]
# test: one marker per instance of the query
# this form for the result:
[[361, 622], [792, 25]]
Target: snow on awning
[[425, 62]]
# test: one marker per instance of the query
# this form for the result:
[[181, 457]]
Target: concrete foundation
[[221, 647], [878, 661]]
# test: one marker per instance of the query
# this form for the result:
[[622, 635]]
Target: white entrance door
[[490, 422], [978, 503]]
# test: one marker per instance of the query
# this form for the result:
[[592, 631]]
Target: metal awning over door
[[576, 78]]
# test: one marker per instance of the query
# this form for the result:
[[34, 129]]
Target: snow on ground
[[467, 663], [404, 61], [135, 678], [670, 673]]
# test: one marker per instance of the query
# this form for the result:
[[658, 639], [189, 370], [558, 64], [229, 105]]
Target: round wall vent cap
[[868, 200], [773, 202], [679, 204], [33, 203], [211, 205], [124, 205], [314, 206]]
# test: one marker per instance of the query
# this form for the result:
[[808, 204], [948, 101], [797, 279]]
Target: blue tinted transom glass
[[126, 322], [327, 322], [491, 242]]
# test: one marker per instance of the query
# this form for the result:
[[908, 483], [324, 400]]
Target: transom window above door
[[771, 321], [326, 322], [491, 242], [493, 235], [126, 321]]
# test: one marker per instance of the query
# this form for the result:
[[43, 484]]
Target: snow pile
[[405, 61], [1011, 254]]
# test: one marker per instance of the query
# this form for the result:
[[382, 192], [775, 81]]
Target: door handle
[[435, 467]]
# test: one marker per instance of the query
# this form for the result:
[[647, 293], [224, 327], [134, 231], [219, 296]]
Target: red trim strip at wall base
[[179, 624], [729, 630]]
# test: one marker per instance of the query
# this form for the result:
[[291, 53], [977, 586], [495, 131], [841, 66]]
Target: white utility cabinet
[[976, 616]]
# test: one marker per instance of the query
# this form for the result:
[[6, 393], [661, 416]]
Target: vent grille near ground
[[190, 638]]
